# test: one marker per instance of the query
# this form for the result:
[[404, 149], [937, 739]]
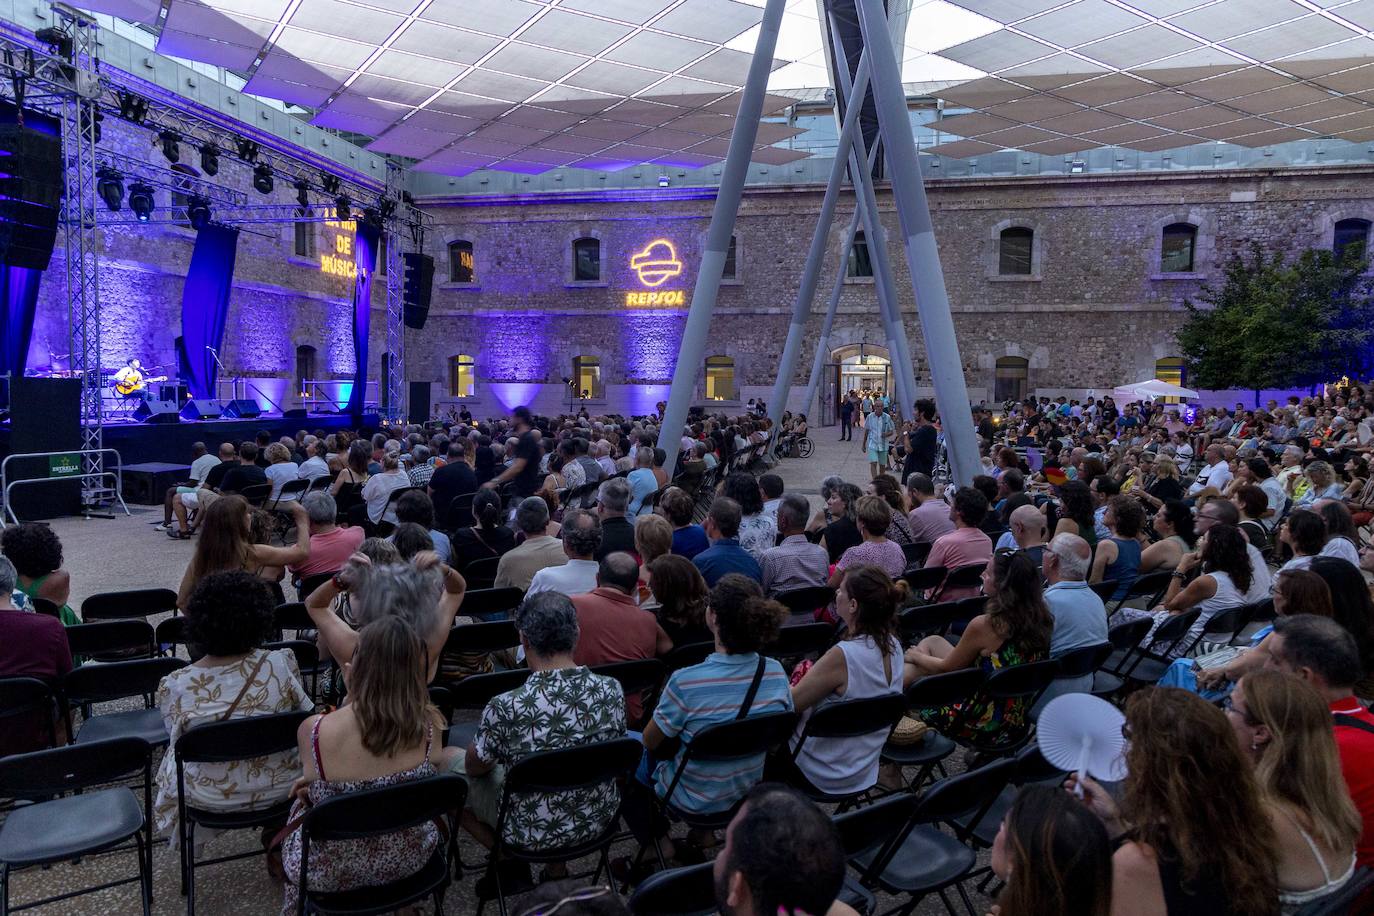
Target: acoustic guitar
[[136, 383]]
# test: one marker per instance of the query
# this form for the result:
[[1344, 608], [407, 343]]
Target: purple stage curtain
[[365, 243], [19, 294], [204, 306]]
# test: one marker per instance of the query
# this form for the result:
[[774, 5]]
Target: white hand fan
[[1081, 732]]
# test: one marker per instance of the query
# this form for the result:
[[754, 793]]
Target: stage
[[138, 443]]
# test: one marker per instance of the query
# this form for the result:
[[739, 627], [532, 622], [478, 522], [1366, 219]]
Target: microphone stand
[[233, 380]]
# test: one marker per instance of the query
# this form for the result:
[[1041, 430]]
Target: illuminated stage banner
[[654, 265], [339, 261]]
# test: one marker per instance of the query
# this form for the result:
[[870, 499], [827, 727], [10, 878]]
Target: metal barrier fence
[[117, 474]]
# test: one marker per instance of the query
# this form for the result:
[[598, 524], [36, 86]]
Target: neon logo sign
[[657, 263]]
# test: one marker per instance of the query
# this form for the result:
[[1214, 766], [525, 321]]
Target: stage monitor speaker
[[419, 402], [45, 416], [294, 413], [202, 409], [159, 412], [30, 195], [415, 292], [242, 409]]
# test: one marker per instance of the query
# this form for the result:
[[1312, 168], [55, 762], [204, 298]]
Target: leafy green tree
[[1280, 323]]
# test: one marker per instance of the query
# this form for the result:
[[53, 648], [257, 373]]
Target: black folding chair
[[307, 656], [1150, 586], [922, 860], [850, 719], [916, 553], [169, 634], [1023, 684], [110, 681], [62, 829], [459, 512], [1030, 766], [481, 602], [1170, 640], [46, 607], [732, 741], [687, 655], [1081, 662], [111, 639], [1223, 627], [930, 619], [481, 574], [807, 600], [225, 742], [1105, 589], [641, 678], [969, 576], [28, 697], [377, 812], [257, 494], [290, 492], [566, 770], [801, 640], [138, 602], [689, 891], [308, 584], [922, 579], [473, 694], [935, 691]]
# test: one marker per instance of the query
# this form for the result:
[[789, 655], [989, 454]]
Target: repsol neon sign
[[654, 265]]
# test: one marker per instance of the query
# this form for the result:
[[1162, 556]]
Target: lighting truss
[[395, 399]]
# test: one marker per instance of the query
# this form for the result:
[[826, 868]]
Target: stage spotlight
[[198, 212], [303, 198], [132, 108], [247, 149], [388, 207], [109, 184], [262, 178], [171, 145], [209, 160], [372, 218], [343, 208], [141, 200], [330, 183]]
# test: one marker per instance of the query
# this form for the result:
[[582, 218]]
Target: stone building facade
[[1096, 309]]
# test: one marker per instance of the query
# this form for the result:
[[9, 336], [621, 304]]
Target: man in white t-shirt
[[1216, 475], [581, 535], [201, 463]]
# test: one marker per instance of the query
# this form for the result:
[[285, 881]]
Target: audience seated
[[757, 531], [387, 734], [488, 538], [771, 488], [929, 516], [611, 626], [795, 563], [280, 469], [330, 544], [680, 596], [842, 530], [1173, 524], [36, 552], [617, 531], [725, 555], [416, 508], [1075, 511], [378, 489], [1015, 629], [1053, 855], [653, 539], [867, 662], [1117, 558], [31, 645], [1026, 530], [536, 551], [688, 539], [1197, 837], [1224, 512], [1323, 653], [1285, 728], [582, 536], [228, 618], [875, 550], [1080, 618], [642, 481], [452, 480], [347, 488], [966, 544]]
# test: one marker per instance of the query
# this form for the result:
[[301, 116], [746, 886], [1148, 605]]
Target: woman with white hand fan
[[1196, 837]]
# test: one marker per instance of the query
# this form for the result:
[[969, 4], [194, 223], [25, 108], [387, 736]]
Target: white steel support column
[[823, 342], [811, 270], [732, 177], [875, 237], [922, 253]]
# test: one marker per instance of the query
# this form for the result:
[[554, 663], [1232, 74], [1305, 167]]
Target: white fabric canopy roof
[[516, 85], [1150, 389]]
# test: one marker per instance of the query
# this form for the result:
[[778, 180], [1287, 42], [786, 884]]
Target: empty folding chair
[[138, 602], [111, 639], [1170, 640], [490, 603], [103, 683], [28, 704]]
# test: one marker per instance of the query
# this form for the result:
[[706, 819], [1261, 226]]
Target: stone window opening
[[731, 269], [461, 266], [462, 376], [586, 378], [1015, 246], [305, 364], [1350, 238], [1178, 248], [1011, 379], [860, 263], [304, 240], [587, 260], [720, 378]]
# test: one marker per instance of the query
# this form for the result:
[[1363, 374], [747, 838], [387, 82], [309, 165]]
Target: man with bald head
[[612, 627], [1080, 619], [1027, 532]]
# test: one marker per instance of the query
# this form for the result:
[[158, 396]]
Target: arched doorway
[[855, 367]]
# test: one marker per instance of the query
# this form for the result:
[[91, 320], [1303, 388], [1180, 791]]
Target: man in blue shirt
[[1080, 619], [725, 555]]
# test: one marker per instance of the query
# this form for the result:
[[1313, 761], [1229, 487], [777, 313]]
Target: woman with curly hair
[[757, 532], [1117, 559], [36, 552], [1076, 511], [1197, 836], [1013, 630], [228, 618], [1054, 856]]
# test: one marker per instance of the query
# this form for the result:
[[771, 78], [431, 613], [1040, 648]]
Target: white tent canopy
[[1150, 389]]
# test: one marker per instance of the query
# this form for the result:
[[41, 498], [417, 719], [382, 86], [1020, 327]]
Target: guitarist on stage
[[130, 382]]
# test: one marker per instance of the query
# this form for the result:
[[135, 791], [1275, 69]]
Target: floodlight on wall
[[209, 159], [343, 208], [141, 200], [171, 145], [1076, 166], [132, 107], [262, 178], [247, 149], [109, 184], [664, 181], [198, 212]]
